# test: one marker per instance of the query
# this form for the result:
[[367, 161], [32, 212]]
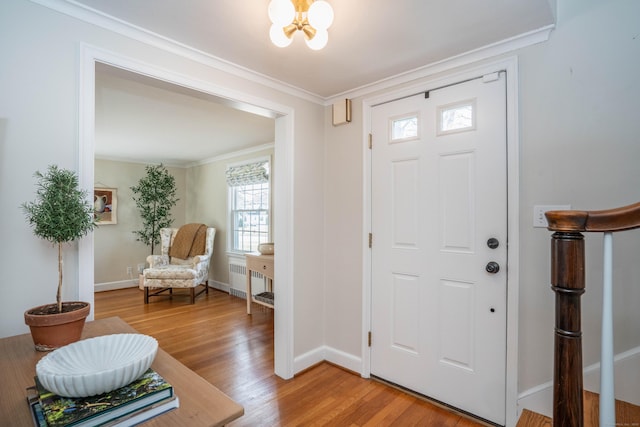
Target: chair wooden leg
[[193, 293], [206, 287]]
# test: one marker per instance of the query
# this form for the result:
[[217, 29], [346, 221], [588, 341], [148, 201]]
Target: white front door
[[439, 208]]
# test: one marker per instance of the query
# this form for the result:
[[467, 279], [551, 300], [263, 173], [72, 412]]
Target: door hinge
[[370, 240], [369, 338], [370, 141]]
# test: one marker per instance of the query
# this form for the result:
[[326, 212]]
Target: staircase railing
[[567, 281]]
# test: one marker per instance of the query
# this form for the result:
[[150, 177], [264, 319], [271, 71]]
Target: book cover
[[37, 415], [90, 411], [145, 414], [129, 420], [36, 410]]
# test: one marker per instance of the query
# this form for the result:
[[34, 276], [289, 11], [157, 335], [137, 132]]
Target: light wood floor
[[627, 414], [234, 351]]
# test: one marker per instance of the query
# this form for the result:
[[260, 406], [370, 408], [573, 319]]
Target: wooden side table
[[201, 404], [264, 265]]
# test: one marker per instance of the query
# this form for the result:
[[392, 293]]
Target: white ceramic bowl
[[96, 365], [266, 248]]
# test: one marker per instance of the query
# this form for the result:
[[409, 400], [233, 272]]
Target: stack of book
[[148, 396]]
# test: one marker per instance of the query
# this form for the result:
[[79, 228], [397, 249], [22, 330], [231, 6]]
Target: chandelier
[[309, 16]]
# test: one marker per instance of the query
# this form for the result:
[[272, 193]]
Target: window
[[404, 128], [457, 117], [249, 207]]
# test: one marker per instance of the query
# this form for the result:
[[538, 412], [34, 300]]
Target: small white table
[[264, 265]]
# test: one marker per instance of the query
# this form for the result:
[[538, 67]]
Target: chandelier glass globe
[[281, 12], [320, 15], [278, 37], [319, 40]]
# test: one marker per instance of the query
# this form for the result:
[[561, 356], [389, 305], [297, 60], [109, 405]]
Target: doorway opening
[[283, 229]]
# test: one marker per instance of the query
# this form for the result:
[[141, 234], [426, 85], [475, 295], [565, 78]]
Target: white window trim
[[230, 250]]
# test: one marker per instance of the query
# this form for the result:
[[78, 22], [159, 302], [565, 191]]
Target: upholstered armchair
[[166, 272]]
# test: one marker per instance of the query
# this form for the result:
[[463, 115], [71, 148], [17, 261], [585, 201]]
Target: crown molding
[[168, 164], [234, 154], [118, 26], [190, 164], [483, 53]]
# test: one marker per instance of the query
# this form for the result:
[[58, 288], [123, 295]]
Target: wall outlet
[[129, 271], [539, 220]]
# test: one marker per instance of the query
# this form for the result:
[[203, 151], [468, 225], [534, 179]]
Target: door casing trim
[[283, 200]]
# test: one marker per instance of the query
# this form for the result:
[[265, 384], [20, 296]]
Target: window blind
[[248, 174]]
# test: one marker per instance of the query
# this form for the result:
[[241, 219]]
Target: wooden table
[[264, 265], [201, 404]]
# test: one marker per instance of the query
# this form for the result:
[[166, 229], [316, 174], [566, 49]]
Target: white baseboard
[[627, 384], [308, 359], [626, 380], [328, 354], [537, 399], [122, 284], [219, 285], [345, 360], [110, 286]]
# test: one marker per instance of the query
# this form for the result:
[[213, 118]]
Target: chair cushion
[[180, 261], [170, 272]]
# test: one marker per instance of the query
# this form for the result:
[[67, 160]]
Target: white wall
[[115, 245], [579, 129], [207, 201], [579, 145], [578, 105], [344, 238], [38, 107], [202, 197], [39, 83]]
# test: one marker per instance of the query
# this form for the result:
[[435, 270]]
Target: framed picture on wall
[[105, 205]]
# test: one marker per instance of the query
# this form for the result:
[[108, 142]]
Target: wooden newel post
[[567, 281]]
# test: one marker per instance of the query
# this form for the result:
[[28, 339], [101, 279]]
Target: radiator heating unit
[[238, 279]]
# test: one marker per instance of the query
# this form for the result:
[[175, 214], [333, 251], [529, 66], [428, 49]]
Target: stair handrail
[[567, 282]]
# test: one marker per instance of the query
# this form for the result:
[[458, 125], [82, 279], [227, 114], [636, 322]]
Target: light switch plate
[[539, 220]]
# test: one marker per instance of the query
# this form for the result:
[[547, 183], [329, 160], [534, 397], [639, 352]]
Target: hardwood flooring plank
[[532, 419], [627, 414], [234, 351]]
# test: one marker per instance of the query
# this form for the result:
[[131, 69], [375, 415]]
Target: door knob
[[492, 267]]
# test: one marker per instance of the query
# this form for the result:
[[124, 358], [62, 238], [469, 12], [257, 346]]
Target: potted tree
[[155, 196], [61, 213]]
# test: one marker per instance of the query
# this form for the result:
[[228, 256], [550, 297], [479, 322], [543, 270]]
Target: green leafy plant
[[156, 195], [60, 213]]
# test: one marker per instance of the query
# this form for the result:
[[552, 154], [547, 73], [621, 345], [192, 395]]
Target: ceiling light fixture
[[311, 17]]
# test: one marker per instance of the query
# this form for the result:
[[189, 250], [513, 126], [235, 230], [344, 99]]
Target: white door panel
[[438, 194]]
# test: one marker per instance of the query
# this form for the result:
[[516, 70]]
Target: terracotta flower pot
[[51, 330]]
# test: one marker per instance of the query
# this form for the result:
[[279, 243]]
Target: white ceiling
[[369, 41], [145, 120]]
